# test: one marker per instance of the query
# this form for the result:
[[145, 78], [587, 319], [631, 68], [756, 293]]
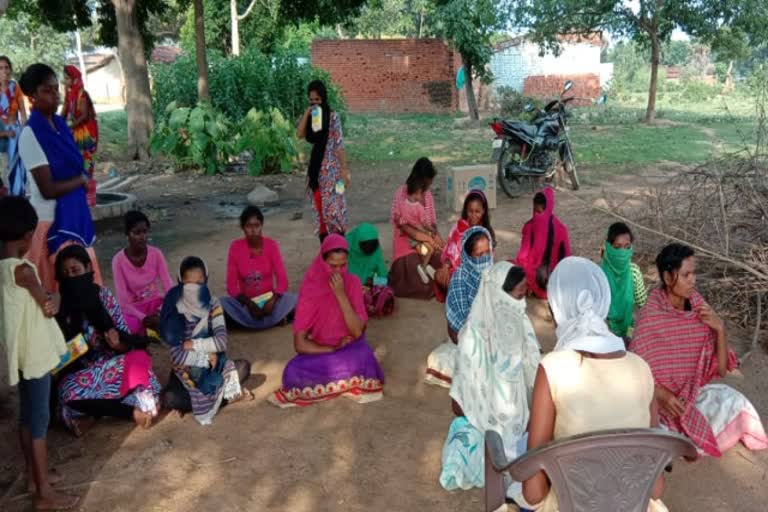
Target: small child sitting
[[34, 345], [414, 214]]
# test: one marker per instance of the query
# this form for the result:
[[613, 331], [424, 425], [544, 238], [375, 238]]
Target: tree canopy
[[648, 22], [470, 26]]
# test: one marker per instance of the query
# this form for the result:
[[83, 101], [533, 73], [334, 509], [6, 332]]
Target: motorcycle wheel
[[569, 167], [511, 184]]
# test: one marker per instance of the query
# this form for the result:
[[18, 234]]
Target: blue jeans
[[34, 398]]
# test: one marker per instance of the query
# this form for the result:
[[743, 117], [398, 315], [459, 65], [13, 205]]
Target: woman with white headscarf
[[589, 382], [496, 363]]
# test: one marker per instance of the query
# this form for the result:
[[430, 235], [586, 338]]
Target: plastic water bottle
[[317, 119]]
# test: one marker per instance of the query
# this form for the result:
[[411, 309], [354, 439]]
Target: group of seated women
[[666, 348], [667, 367]]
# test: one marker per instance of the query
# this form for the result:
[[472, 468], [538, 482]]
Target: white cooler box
[[460, 180]]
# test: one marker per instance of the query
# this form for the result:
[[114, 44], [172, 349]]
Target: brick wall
[[390, 75], [586, 87]]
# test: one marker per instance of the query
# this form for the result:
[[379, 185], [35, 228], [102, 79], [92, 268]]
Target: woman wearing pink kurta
[[141, 277], [257, 283]]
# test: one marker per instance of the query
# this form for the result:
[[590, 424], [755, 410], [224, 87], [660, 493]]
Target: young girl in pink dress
[[141, 277]]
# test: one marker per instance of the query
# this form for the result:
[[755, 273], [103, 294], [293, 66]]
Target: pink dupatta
[[534, 245], [318, 309]]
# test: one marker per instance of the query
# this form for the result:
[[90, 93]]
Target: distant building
[[104, 74], [517, 63]]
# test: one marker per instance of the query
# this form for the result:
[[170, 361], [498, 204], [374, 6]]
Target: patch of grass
[[113, 134], [372, 138]]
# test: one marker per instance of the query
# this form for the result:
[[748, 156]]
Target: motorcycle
[[524, 151]]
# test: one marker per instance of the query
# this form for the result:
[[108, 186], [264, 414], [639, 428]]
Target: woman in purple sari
[[333, 358]]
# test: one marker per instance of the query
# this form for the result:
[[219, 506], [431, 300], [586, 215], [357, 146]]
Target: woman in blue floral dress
[[114, 378], [327, 176]]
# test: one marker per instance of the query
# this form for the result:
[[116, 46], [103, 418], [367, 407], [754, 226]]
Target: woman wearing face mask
[[366, 261], [474, 213], [545, 242], [686, 345], [327, 176], [192, 323], [58, 185], [477, 255], [113, 378], [13, 117], [334, 358], [257, 282], [625, 279], [496, 362]]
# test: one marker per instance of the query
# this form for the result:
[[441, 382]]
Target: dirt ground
[[337, 456]]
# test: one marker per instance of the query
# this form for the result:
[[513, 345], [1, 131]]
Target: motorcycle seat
[[518, 127]]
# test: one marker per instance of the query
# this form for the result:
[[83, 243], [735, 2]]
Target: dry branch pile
[[721, 208]]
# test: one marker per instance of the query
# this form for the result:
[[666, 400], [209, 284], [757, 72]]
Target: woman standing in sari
[[13, 117], [685, 343], [58, 188], [327, 176], [477, 255], [113, 378], [81, 117], [545, 243], [496, 363], [366, 261], [625, 279], [334, 358]]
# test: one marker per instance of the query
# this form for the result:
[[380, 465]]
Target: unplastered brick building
[[391, 75]]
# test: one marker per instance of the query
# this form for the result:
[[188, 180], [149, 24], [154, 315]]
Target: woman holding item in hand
[[334, 358], [327, 176], [257, 282]]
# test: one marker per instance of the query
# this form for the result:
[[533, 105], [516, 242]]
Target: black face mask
[[80, 301], [74, 288], [369, 246]]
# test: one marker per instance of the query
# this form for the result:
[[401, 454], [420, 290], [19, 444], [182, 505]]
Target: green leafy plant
[[512, 104], [197, 137], [238, 84], [271, 141]]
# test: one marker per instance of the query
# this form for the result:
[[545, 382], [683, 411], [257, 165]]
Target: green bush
[[238, 84], [203, 138], [512, 104], [194, 137], [271, 141]]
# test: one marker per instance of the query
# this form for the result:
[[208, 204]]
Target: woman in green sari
[[624, 277], [366, 261]]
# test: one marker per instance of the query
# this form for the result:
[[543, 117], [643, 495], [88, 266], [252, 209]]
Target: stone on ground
[[262, 196]]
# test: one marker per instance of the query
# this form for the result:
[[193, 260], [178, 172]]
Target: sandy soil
[[337, 456]]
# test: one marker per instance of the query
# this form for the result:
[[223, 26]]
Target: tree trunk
[[202, 60], [4, 6], [474, 113], [136, 79], [650, 112], [235, 27]]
